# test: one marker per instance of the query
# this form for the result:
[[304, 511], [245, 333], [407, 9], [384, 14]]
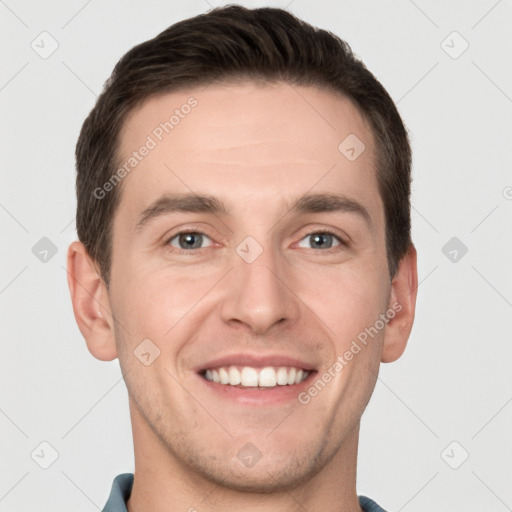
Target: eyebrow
[[204, 203], [192, 203]]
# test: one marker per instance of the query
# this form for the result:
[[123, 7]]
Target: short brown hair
[[228, 44]]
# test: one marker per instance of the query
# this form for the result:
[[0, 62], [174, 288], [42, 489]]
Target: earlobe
[[404, 288], [91, 304]]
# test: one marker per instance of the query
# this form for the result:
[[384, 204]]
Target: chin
[[272, 473], [259, 481]]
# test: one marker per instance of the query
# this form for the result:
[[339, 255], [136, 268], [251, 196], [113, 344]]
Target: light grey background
[[454, 381]]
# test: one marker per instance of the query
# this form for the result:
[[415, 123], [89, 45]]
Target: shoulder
[[369, 505], [121, 490]]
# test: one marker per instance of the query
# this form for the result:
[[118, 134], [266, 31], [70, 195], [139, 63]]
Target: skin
[[256, 148]]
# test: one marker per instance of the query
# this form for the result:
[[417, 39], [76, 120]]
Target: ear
[[404, 287], [91, 304]]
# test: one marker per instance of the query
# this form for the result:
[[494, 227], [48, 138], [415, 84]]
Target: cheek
[[347, 301], [153, 313], [158, 303]]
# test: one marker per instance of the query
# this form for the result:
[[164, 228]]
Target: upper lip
[[256, 361]]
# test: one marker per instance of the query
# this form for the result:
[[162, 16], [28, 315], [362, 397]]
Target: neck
[[165, 484]]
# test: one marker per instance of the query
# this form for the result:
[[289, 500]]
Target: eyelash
[[342, 243]]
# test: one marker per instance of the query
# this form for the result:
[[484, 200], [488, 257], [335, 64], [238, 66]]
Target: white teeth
[[291, 376], [249, 376], [282, 376], [223, 376], [234, 376], [268, 377]]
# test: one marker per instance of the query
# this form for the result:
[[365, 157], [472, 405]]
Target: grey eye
[[320, 240], [190, 240]]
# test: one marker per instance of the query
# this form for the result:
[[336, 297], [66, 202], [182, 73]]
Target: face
[[249, 250]]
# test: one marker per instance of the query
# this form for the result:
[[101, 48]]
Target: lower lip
[[259, 396]]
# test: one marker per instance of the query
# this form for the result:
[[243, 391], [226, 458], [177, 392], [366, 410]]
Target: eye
[[187, 240], [321, 240]]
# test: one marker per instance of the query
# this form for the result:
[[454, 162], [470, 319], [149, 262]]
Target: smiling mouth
[[256, 378]]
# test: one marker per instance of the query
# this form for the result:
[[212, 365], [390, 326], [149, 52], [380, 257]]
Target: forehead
[[247, 142]]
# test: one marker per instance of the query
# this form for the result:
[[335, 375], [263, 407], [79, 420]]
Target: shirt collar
[[122, 489]]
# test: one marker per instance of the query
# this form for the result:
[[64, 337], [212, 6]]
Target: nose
[[259, 295]]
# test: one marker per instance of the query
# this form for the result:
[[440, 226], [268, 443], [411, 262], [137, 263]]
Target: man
[[244, 222]]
